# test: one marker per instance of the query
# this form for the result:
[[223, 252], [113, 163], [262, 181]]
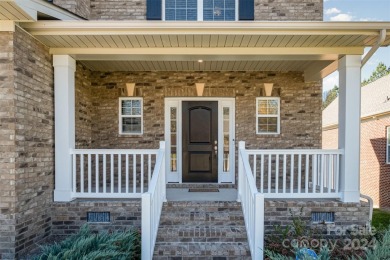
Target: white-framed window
[[267, 115], [388, 144], [130, 116], [200, 10]]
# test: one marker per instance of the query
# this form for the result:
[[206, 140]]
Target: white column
[[64, 105], [349, 126]]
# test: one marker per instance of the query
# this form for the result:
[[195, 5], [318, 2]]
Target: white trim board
[[173, 102]]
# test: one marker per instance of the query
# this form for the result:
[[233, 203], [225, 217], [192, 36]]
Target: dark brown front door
[[200, 135]]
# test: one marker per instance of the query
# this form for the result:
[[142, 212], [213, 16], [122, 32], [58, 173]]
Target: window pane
[[226, 137], [272, 107], [136, 103], [181, 14], [173, 160], [170, 14], [131, 125], [136, 111], [267, 124], [182, 10], [173, 126], [262, 107], [126, 107], [272, 120], [181, 3], [219, 10], [170, 3]]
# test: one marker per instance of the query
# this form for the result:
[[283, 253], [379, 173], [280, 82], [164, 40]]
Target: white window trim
[[387, 144], [132, 116], [277, 116], [200, 11]]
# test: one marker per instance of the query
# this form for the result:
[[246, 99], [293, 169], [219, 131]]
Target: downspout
[[381, 39], [367, 57], [371, 204]]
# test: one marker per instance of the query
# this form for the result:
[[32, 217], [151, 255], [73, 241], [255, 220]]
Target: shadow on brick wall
[[379, 146]]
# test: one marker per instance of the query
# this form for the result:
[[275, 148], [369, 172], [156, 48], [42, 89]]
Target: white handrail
[[296, 151], [152, 203], [111, 173], [301, 173], [252, 205]]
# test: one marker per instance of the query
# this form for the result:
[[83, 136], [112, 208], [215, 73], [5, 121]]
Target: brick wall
[[7, 148], [374, 172], [278, 212], [291, 10], [265, 10], [118, 10], [84, 112], [79, 7], [27, 154], [300, 106], [69, 217], [34, 140]]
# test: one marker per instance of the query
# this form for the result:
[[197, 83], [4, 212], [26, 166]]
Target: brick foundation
[[69, 217], [277, 212]]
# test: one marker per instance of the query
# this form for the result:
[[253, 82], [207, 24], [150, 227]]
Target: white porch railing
[[282, 174], [152, 203], [111, 173], [252, 205], [296, 173]]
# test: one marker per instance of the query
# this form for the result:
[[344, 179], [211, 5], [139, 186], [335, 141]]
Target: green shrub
[[89, 246]]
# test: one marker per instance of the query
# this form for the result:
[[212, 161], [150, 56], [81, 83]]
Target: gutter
[[381, 40]]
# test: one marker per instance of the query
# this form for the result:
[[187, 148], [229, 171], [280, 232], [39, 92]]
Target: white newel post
[[241, 145], [64, 105], [349, 126]]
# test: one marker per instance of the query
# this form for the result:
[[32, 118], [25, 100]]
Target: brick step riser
[[192, 230], [203, 249]]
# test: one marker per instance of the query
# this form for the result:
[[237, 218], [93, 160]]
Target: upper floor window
[[201, 10], [267, 115], [130, 116]]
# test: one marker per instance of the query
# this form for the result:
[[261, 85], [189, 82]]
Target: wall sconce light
[[199, 89], [268, 89], [130, 87]]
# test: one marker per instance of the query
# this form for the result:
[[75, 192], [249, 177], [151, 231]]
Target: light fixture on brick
[[130, 87], [199, 89]]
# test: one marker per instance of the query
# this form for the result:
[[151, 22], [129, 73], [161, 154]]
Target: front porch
[[107, 148]]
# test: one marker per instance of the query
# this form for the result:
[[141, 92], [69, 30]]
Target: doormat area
[[203, 190]]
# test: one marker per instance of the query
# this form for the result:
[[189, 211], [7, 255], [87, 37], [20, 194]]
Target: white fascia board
[[226, 51], [46, 8], [212, 28]]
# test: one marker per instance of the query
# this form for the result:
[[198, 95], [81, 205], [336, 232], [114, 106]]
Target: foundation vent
[[98, 217], [322, 217]]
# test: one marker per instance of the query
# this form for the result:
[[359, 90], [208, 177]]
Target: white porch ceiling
[[243, 65], [175, 46]]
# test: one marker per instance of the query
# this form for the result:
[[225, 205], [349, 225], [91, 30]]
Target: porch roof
[[312, 47]]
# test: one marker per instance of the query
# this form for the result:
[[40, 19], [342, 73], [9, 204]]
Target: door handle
[[215, 147]]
